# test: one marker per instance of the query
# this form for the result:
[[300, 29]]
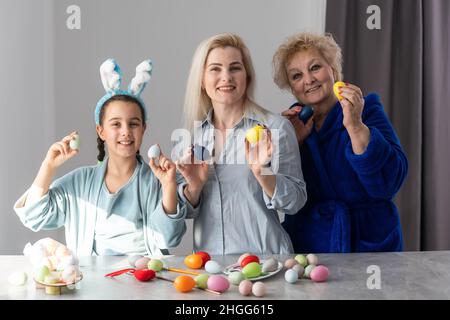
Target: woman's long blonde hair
[[196, 102]]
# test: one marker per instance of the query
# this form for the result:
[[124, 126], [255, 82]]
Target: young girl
[[119, 206]]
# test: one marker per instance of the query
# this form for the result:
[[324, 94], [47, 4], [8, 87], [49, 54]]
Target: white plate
[[236, 267]]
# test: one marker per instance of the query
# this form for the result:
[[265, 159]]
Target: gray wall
[[60, 67]]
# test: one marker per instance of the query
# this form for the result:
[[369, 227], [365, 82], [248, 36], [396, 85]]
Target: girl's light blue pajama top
[[131, 221]]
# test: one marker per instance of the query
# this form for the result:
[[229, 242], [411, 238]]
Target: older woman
[[235, 198], [351, 156]]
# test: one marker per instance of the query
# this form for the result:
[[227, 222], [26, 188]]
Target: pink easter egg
[[289, 263], [141, 263], [245, 287], [259, 289], [218, 283], [319, 274]]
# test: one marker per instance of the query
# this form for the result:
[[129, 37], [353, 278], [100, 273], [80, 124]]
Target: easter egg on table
[[132, 260], [319, 274], [205, 257], [301, 259], [236, 277], [259, 289], [202, 280], [291, 276], [245, 287], [312, 259], [336, 88], [299, 269], [255, 134], [154, 151], [289, 263], [270, 265], [309, 268], [218, 283], [41, 273], [144, 274], [142, 263], [248, 259], [213, 267], [184, 283], [18, 278], [193, 261], [75, 142], [155, 265], [252, 270]]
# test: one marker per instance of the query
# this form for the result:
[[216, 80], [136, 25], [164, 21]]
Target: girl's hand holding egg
[[165, 170], [63, 150]]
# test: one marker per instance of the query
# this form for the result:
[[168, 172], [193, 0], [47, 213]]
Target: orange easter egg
[[184, 283], [193, 261]]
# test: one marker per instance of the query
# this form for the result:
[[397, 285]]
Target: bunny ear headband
[[111, 79]]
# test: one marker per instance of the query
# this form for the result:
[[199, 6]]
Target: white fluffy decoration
[[110, 78], [143, 75]]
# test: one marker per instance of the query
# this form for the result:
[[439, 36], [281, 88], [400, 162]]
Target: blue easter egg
[[201, 153], [154, 151]]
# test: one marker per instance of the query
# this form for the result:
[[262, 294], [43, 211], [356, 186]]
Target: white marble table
[[406, 276]]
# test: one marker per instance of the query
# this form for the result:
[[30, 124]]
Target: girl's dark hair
[[119, 97]]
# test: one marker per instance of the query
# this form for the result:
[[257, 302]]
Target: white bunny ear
[[111, 76], [143, 75]]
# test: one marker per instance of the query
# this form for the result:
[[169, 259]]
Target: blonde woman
[[234, 198], [352, 158]]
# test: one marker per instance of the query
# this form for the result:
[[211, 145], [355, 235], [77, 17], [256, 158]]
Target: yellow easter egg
[[336, 87], [254, 134]]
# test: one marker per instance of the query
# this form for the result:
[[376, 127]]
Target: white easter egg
[[18, 278], [213, 267], [154, 151]]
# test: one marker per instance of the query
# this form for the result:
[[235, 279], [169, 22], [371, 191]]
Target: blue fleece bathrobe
[[350, 207]]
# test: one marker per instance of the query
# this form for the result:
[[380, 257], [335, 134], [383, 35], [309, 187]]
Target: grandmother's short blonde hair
[[324, 44]]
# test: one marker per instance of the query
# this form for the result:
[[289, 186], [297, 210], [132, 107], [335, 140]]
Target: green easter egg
[[308, 270], [252, 270], [155, 265], [75, 143], [201, 281], [41, 273], [236, 277], [301, 259]]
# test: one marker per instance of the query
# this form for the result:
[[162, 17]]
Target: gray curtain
[[407, 63]]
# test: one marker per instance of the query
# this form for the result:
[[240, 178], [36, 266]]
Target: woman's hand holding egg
[[61, 151], [302, 130], [259, 153], [352, 102], [195, 172]]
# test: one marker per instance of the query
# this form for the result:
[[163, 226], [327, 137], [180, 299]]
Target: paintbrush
[[182, 271]]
